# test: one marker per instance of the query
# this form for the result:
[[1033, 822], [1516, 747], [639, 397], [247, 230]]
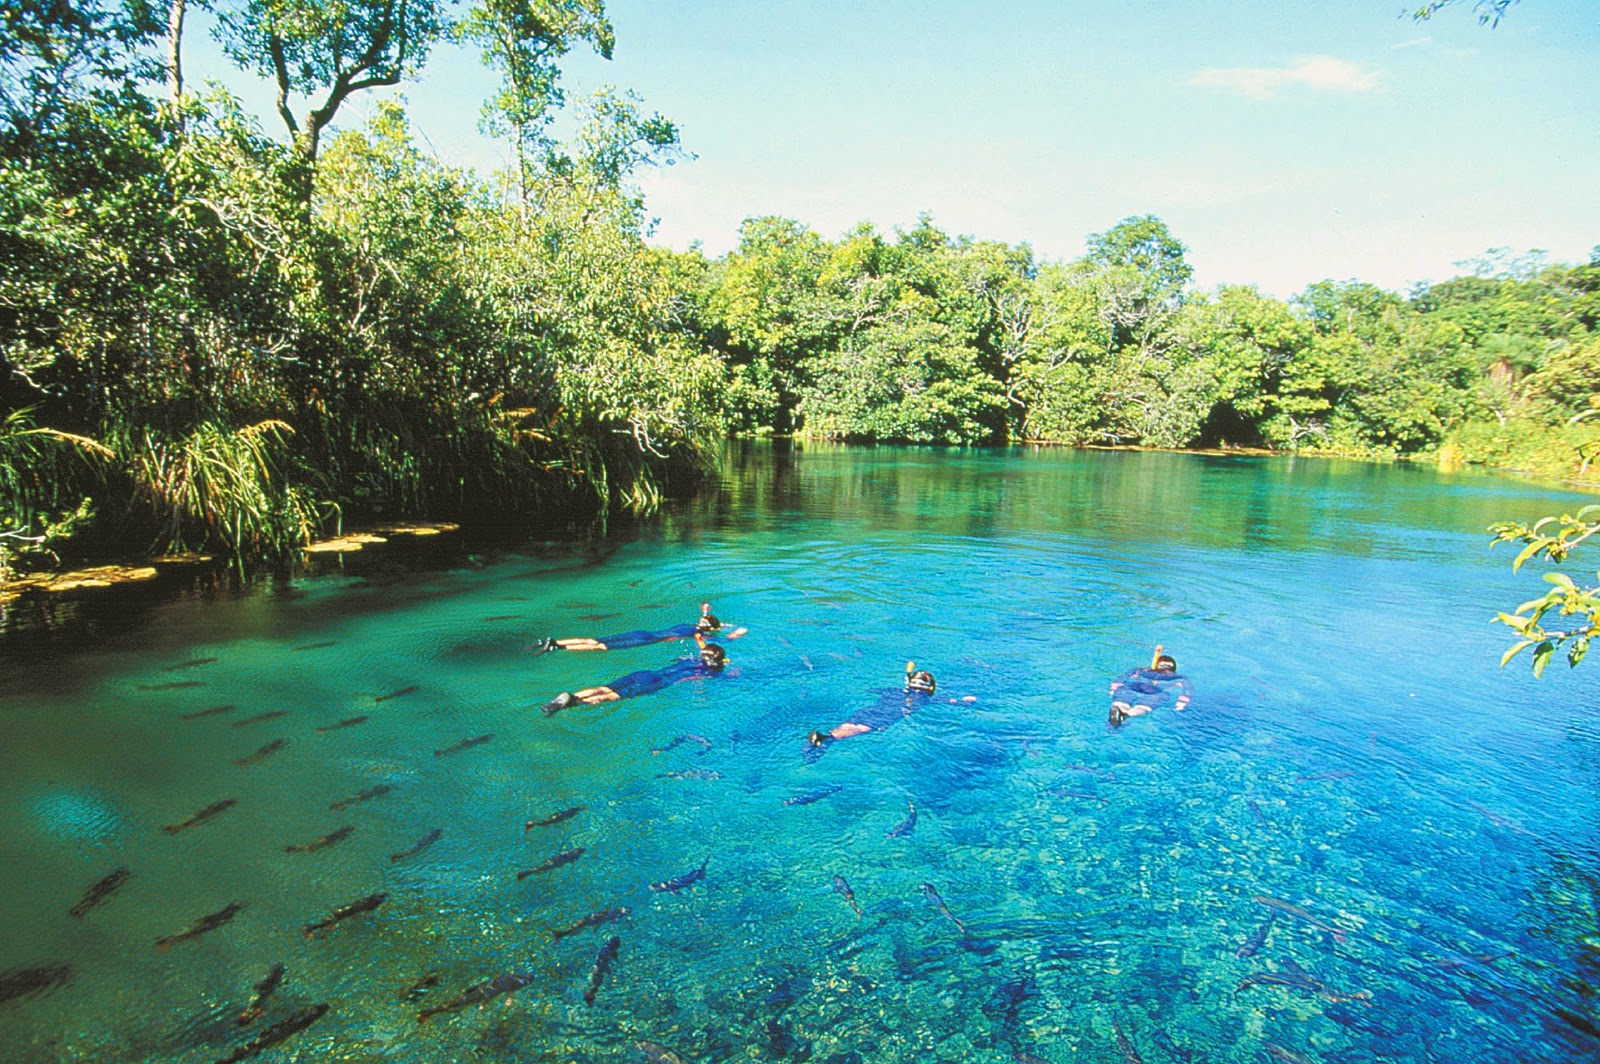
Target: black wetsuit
[[641, 637], [649, 681]]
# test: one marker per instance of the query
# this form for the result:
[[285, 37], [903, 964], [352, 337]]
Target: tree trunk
[[175, 49]]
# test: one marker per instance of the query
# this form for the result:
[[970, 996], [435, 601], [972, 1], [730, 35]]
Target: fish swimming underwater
[[814, 796], [367, 795], [262, 753], [19, 982], [212, 712], [906, 826], [465, 744], [278, 1032], [344, 912], [208, 922], [100, 891], [479, 994], [259, 717], [932, 895], [677, 883], [348, 722], [413, 689], [562, 858], [842, 886], [595, 919], [602, 965], [1299, 914], [202, 816], [322, 843], [421, 844], [263, 990], [553, 818], [1258, 939]]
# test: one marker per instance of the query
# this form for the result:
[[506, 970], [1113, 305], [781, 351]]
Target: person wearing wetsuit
[[1146, 690], [711, 660], [891, 707], [706, 625]]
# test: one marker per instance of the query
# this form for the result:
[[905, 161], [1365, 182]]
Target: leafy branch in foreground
[[1554, 538]]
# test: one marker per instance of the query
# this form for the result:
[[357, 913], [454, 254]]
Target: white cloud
[[1324, 73], [1415, 42]]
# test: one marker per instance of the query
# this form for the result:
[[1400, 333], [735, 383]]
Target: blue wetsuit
[[641, 637], [1154, 688], [649, 681], [893, 705]]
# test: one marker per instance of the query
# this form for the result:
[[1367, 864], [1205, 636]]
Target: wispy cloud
[[1323, 73], [1415, 42]]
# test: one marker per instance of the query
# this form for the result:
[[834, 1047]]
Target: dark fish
[[348, 722], [1256, 809], [212, 712], [19, 982], [598, 616], [264, 989], [419, 989], [699, 740], [602, 965], [604, 916], [500, 617], [100, 892], [906, 826], [323, 843], [278, 1032], [202, 816], [263, 753], [1332, 774], [1258, 939], [1467, 960], [413, 689], [465, 744], [422, 844], [554, 818], [690, 774], [1297, 978], [656, 1053], [190, 664], [564, 857], [1285, 1056], [480, 993], [317, 646], [1299, 914], [344, 912], [841, 885], [208, 922], [176, 685], [814, 796], [933, 896], [677, 883], [1130, 1055], [259, 717], [370, 793]]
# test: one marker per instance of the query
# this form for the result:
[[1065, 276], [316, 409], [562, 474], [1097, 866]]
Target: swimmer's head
[[918, 679], [712, 656], [708, 621], [1165, 663]]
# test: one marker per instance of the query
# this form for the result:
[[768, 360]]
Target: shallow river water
[[1362, 841]]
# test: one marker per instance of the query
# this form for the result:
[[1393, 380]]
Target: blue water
[[1353, 750]]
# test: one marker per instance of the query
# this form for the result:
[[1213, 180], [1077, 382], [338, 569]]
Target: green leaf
[[1562, 579], [1576, 652], [1527, 552], [1514, 651], [1541, 657]]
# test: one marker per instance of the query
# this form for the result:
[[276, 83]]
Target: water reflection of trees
[[1208, 501]]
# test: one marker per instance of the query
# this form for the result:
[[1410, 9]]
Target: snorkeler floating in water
[[706, 625], [1146, 690], [892, 706], [711, 660]]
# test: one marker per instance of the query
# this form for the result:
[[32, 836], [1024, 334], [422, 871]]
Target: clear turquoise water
[[1352, 749]]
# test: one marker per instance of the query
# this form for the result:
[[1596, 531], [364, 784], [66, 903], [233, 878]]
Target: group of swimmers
[[1141, 691]]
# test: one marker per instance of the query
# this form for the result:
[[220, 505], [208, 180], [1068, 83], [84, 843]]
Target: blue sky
[[1284, 143]]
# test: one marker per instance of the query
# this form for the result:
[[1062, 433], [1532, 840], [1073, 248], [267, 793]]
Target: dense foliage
[[211, 337]]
